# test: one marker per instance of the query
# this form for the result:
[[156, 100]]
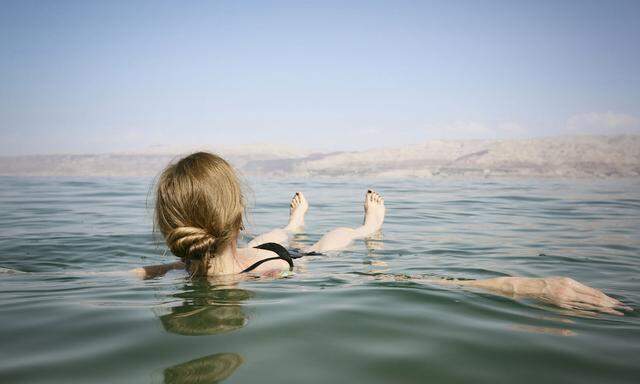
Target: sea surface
[[71, 313]]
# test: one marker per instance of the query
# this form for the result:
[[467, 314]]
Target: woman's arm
[[151, 271], [563, 292]]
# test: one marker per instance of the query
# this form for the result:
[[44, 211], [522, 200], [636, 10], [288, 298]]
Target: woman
[[199, 211]]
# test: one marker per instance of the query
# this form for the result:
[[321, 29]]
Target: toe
[[298, 201]]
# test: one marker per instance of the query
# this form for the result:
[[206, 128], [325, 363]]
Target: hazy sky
[[85, 77]]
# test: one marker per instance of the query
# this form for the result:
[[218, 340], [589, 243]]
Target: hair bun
[[190, 242]]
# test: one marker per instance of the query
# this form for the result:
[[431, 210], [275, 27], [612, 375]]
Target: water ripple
[[71, 312]]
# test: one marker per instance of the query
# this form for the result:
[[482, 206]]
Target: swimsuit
[[281, 251]]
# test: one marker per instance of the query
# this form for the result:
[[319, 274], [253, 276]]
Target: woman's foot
[[281, 236], [373, 213], [299, 207], [340, 238]]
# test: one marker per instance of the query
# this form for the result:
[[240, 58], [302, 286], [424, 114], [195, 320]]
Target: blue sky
[[86, 77]]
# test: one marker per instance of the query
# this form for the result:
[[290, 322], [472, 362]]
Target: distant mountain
[[148, 162], [563, 156]]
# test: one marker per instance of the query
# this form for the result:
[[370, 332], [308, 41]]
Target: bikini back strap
[[281, 251]]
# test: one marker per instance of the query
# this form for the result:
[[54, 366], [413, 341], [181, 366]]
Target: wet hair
[[199, 208]]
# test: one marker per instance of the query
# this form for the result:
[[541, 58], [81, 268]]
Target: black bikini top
[[281, 251]]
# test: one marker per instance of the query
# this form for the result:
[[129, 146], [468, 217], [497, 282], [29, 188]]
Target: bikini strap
[[282, 252]]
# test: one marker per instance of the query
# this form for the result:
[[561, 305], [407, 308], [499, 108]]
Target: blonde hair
[[199, 208]]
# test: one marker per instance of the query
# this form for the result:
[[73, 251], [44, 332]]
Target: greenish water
[[68, 314]]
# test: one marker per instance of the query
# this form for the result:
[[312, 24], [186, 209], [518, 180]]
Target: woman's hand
[[561, 291], [139, 272], [152, 271]]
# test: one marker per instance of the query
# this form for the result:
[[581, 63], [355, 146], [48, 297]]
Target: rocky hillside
[[570, 156], [566, 156]]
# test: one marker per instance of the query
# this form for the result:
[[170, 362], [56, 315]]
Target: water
[[68, 314]]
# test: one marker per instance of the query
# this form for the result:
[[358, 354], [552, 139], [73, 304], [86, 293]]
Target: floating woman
[[199, 211]]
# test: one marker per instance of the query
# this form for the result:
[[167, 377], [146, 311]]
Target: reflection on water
[[193, 320], [205, 310], [299, 241], [374, 243], [208, 369], [543, 330]]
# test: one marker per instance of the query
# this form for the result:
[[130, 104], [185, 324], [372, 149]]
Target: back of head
[[199, 208]]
